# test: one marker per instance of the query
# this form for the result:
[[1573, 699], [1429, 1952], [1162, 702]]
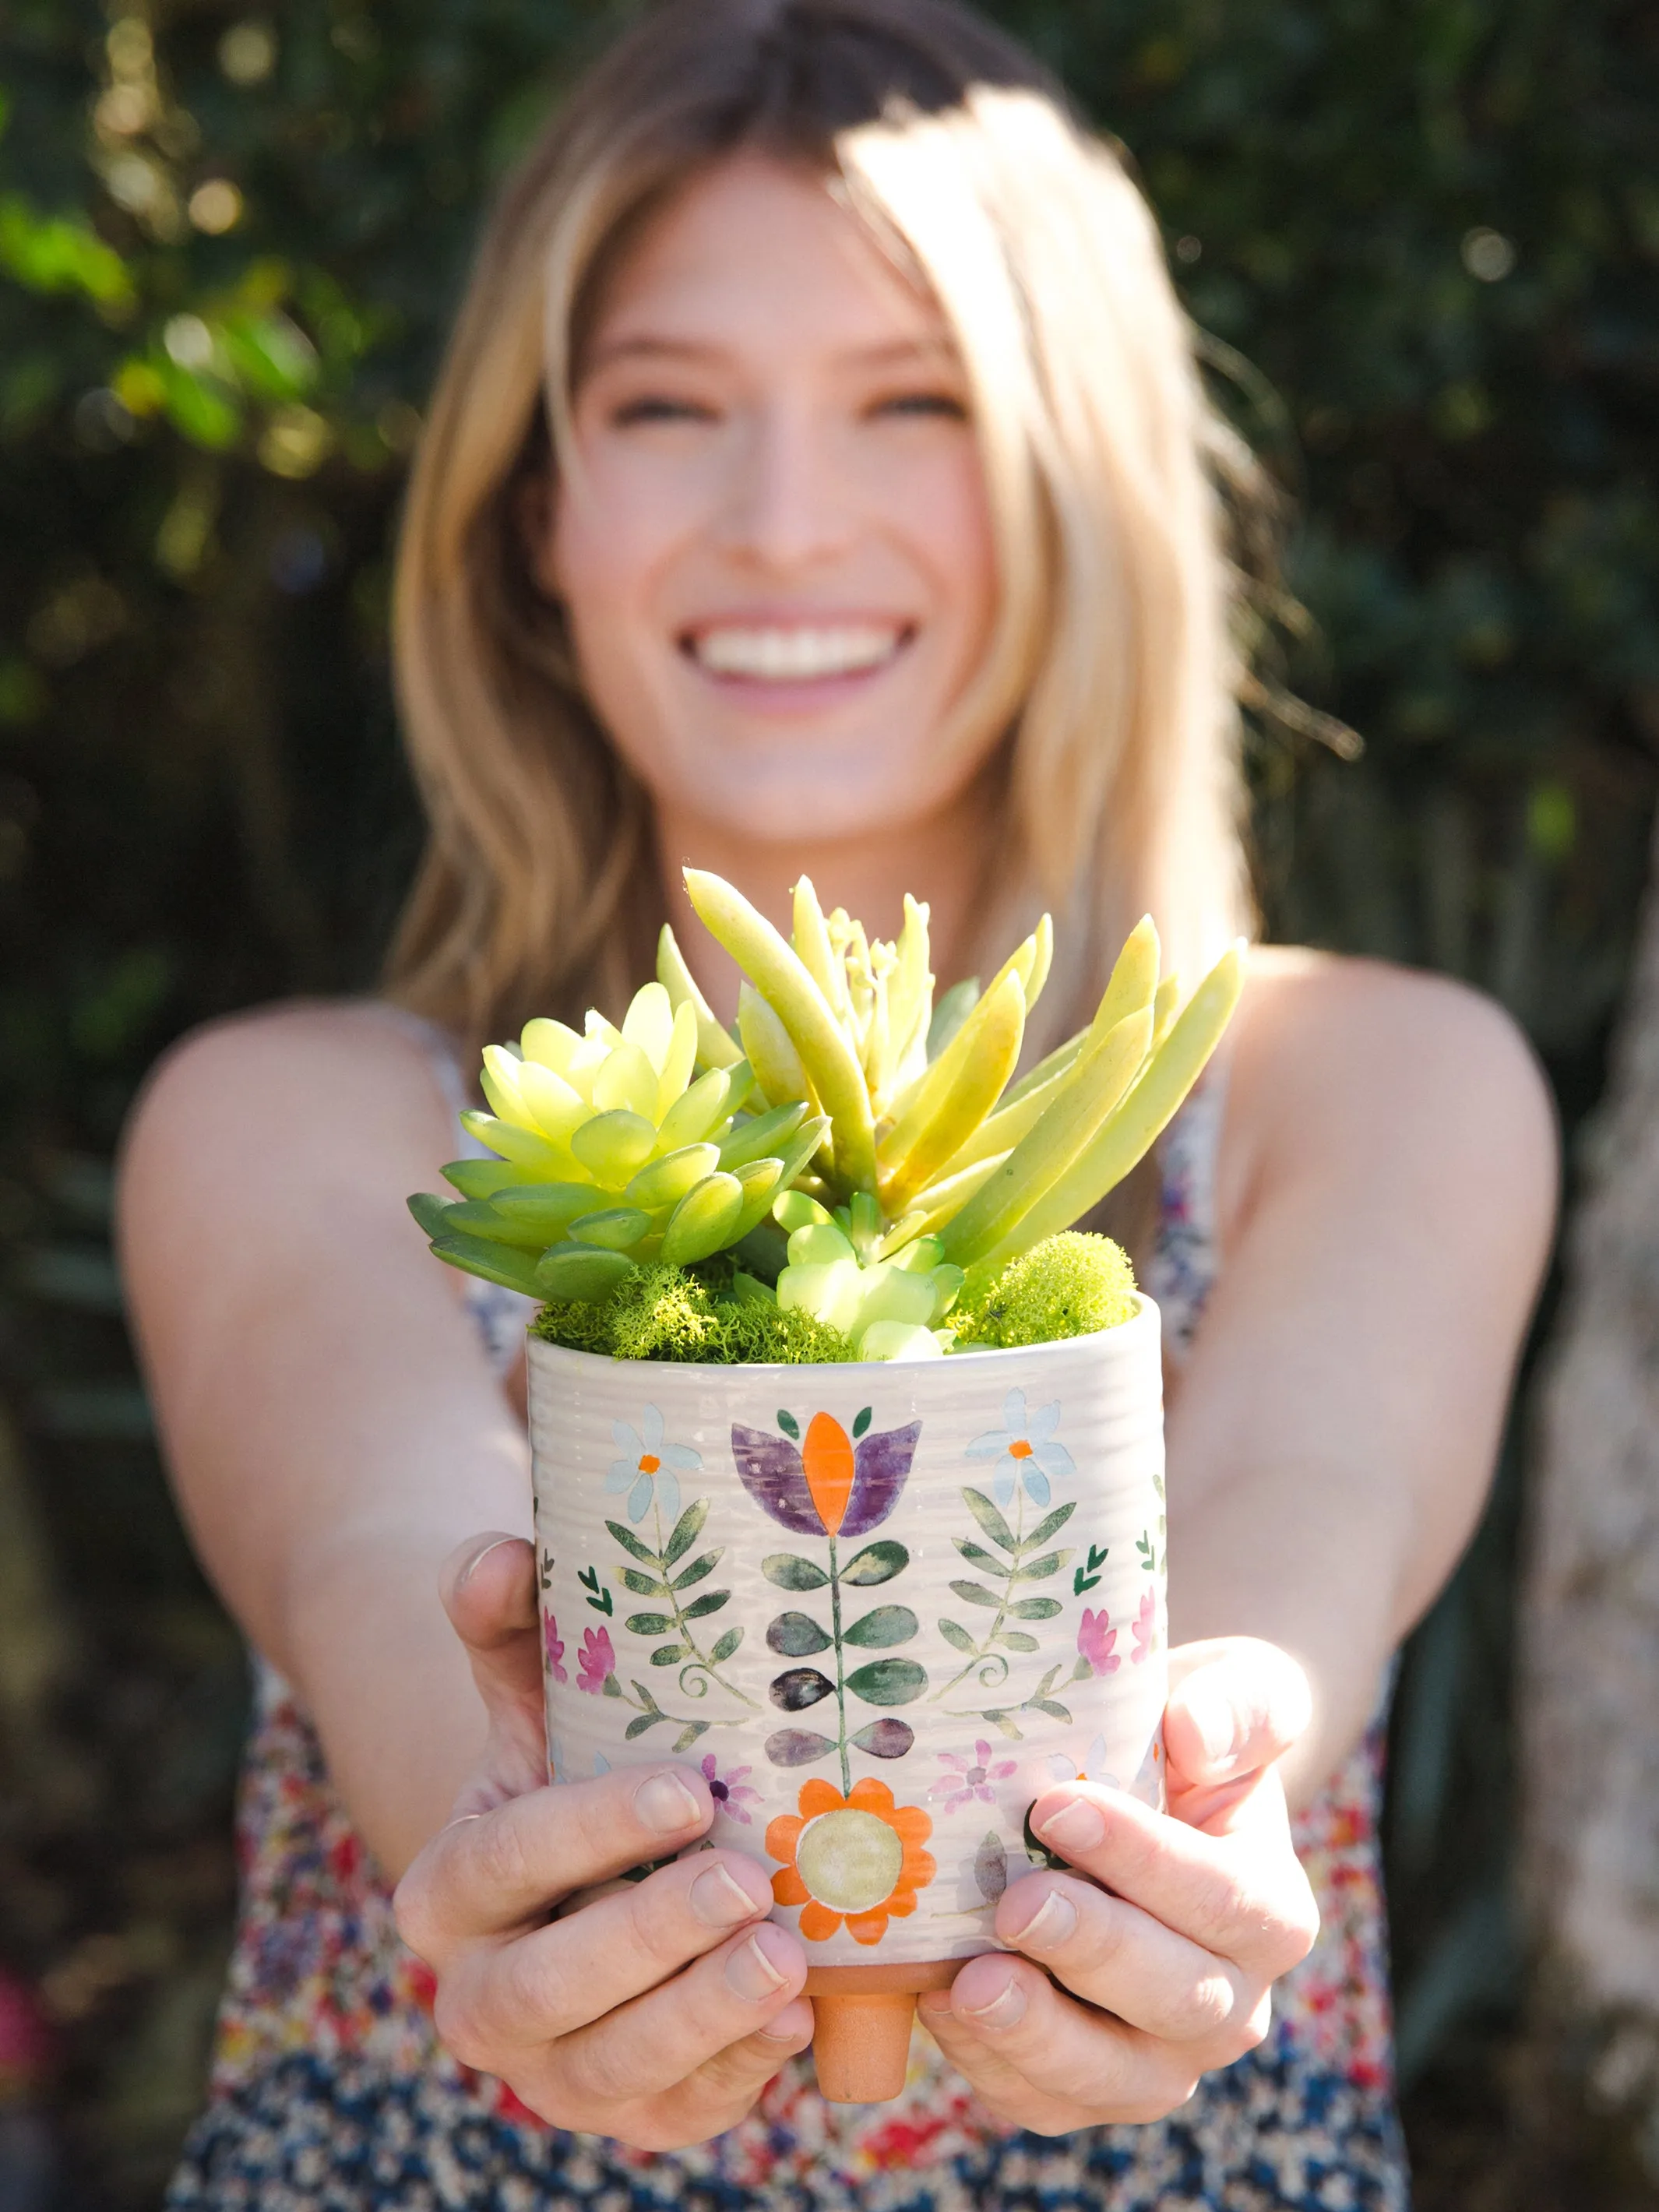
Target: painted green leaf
[[977, 1556], [1034, 1608], [638, 1725], [862, 1422], [976, 1594], [1050, 1525], [888, 1682], [687, 1529], [630, 1542], [789, 1425], [888, 1624], [650, 1624], [1017, 1639], [991, 1867], [788, 1572], [642, 1585], [1081, 1670], [668, 1655], [797, 1747], [723, 1651], [612, 1687], [884, 1739], [796, 1687], [704, 1563], [796, 1636], [954, 1632], [715, 1600], [1049, 1705], [875, 1563], [688, 1734], [989, 1519], [1040, 1570]]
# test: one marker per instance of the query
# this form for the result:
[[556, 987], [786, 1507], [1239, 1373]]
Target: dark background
[[1422, 236]]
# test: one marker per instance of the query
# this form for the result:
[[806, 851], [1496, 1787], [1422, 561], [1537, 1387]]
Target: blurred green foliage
[[1422, 237]]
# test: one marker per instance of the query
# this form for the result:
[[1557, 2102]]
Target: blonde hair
[[1109, 668]]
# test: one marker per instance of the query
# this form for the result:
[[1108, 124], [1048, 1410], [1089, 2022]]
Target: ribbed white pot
[[881, 1607]]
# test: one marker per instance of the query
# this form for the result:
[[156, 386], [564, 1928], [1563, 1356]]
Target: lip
[[796, 692]]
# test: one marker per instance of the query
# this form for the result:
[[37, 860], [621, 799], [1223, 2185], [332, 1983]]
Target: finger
[[488, 1585], [641, 2049], [1112, 1955], [1243, 1897], [1072, 2065], [558, 1978], [1237, 1705], [504, 1869], [723, 2089]]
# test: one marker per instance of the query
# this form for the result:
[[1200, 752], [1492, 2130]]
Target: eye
[[654, 407], [944, 406]]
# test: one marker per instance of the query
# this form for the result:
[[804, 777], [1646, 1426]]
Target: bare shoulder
[[1342, 1065], [335, 1070], [261, 1131]]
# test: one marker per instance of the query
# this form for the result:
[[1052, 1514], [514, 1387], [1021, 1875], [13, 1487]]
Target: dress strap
[[1184, 1259]]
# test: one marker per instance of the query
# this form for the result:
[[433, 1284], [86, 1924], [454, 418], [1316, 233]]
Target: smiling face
[[774, 548]]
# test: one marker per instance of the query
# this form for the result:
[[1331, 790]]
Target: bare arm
[[332, 1426], [1386, 1196]]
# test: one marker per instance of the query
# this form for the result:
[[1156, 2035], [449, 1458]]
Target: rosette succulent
[[856, 1157], [612, 1154]]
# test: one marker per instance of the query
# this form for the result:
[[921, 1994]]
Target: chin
[[847, 792]]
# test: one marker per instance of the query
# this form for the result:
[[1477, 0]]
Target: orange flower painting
[[857, 1859]]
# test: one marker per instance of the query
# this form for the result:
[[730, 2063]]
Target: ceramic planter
[[881, 1607]]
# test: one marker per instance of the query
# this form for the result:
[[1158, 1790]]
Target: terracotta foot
[[861, 2041]]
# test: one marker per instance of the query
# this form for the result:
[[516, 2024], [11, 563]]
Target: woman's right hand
[[654, 2013]]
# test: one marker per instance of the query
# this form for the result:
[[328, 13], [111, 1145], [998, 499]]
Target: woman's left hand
[[1165, 1954]]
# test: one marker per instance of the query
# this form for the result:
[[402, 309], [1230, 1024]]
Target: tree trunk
[[1589, 1650]]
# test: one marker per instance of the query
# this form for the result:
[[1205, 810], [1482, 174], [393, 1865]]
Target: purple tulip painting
[[833, 1485]]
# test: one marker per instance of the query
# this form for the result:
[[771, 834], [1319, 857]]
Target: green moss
[[678, 1314], [1072, 1285]]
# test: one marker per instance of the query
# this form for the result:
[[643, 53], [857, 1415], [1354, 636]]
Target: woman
[[817, 480]]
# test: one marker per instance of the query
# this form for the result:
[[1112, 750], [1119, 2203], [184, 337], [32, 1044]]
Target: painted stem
[[682, 1624], [985, 1651], [841, 1671]]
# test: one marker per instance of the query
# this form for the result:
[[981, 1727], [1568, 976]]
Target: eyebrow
[[891, 353]]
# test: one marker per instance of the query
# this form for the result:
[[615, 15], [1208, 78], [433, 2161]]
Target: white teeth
[[796, 655]]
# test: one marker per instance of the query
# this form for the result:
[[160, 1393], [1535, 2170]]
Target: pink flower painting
[[597, 1662], [553, 1648], [1094, 1638], [730, 1791], [1143, 1629], [969, 1780]]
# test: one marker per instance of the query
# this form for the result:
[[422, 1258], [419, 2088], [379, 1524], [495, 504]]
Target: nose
[[786, 507]]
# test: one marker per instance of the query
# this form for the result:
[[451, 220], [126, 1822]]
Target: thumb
[[1236, 1706], [488, 1585]]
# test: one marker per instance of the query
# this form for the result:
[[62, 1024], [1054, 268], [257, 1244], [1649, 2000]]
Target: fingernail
[[751, 1973], [720, 1901], [1212, 1713], [1051, 1924], [478, 1558], [663, 1803], [1007, 2007], [1076, 1827]]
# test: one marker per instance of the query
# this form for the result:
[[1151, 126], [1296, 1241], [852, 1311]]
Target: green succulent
[[864, 1154], [935, 1169], [612, 1154]]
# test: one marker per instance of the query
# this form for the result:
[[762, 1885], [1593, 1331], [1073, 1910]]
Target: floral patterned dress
[[329, 2090]]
